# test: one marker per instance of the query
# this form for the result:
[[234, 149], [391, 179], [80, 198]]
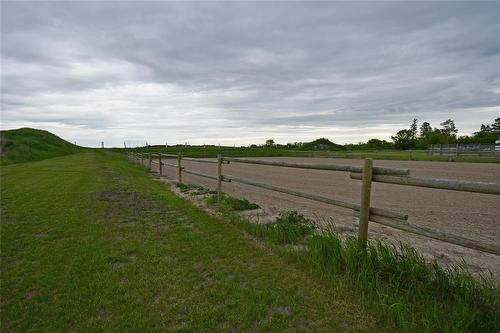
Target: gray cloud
[[208, 72]]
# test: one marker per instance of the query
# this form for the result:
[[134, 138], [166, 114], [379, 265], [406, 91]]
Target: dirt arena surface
[[471, 215]]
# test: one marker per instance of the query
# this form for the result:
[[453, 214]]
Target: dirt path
[[471, 215]]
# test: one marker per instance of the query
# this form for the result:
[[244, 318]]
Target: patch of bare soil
[[130, 207], [470, 215]]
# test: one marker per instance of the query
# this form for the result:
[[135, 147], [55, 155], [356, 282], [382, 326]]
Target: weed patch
[[183, 187], [194, 190], [289, 228], [233, 203]]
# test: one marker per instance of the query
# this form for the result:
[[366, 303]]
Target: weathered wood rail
[[443, 184], [333, 167], [366, 173]]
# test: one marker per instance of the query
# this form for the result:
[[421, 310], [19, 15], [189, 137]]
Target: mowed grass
[[92, 243]]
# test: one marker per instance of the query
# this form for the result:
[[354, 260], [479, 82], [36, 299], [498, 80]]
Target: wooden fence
[[463, 149], [364, 211]]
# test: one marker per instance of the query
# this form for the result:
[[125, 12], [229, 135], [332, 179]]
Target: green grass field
[[93, 243]]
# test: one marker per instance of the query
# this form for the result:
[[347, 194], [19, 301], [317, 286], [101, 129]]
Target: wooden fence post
[[160, 163], [149, 166], [364, 213], [219, 177], [142, 159], [179, 166]]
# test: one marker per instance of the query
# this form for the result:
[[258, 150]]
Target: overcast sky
[[240, 73]]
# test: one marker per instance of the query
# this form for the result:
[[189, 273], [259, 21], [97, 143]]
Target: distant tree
[[378, 144], [414, 127], [425, 129], [496, 125], [270, 143], [488, 134], [449, 127], [465, 139], [485, 128], [437, 136], [403, 139]]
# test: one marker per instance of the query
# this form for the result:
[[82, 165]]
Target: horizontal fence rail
[[169, 155], [332, 167], [200, 174], [198, 160], [364, 211], [443, 184], [169, 164], [378, 211], [437, 234]]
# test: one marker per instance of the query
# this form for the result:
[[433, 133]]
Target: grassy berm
[[28, 144], [92, 243]]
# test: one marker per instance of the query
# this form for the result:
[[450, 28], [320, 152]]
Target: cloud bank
[[240, 73]]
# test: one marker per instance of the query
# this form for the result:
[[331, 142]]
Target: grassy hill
[[321, 144], [29, 144]]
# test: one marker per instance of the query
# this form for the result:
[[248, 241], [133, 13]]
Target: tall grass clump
[[193, 189], [289, 228], [232, 203], [414, 295]]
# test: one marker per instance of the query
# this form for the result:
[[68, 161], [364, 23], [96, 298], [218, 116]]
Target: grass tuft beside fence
[[289, 228], [234, 203], [395, 282], [415, 294]]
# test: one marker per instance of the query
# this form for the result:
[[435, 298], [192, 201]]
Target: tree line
[[416, 137]]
